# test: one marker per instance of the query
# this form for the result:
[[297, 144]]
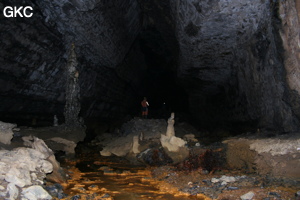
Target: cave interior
[[219, 65]]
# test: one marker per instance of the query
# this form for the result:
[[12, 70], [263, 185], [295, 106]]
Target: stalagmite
[[170, 129], [72, 106], [55, 121], [135, 145], [170, 141]]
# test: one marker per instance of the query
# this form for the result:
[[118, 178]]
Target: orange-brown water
[[119, 181]]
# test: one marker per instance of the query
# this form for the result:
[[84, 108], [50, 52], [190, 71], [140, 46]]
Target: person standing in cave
[[145, 106]]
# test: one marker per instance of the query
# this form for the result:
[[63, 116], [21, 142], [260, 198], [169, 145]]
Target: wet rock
[[105, 196], [154, 157], [232, 188], [297, 195], [76, 197], [55, 190], [6, 132], [247, 196], [275, 194]]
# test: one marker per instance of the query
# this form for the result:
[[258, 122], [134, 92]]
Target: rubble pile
[[23, 170]]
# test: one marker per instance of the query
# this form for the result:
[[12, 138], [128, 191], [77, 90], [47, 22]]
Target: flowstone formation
[[72, 107]]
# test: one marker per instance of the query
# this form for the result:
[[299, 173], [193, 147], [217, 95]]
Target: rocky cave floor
[[203, 175], [88, 181]]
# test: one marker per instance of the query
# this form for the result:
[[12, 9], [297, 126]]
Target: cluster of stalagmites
[[149, 141], [23, 170]]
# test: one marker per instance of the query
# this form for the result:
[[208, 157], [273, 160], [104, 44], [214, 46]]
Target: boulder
[[6, 132], [35, 192], [65, 145]]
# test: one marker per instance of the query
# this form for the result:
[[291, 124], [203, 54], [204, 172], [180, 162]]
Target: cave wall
[[31, 66], [232, 64], [236, 61], [34, 52]]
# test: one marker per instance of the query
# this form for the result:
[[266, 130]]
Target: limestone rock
[[6, 132], [63, 144], [247, 196], [12, 190], [35, 192]]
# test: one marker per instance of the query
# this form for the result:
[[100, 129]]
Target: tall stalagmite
[[72, 107]]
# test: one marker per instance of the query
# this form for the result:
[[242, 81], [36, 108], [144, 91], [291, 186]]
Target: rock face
[[234, 62], [232, 51]]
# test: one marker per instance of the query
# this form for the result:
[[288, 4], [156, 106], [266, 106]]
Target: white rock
[[13, 176], [12, 190], [1, 187], [36, 192], [228, 179], [224, 183], [247, 196], [40, 146], [215, 180]]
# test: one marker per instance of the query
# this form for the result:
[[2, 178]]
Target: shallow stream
[[116, 181]]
